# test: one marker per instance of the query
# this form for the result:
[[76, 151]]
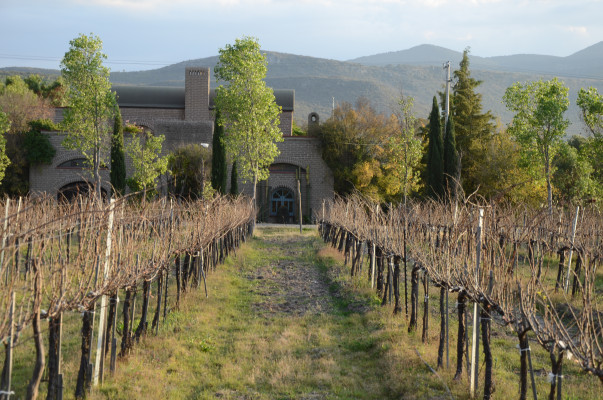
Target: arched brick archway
[[71, 191]]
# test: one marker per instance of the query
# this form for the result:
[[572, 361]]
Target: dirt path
[[289, 285]]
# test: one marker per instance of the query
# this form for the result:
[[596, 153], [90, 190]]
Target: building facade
[[185, 116]]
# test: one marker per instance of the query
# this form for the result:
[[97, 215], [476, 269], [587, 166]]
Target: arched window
[[76, 163]]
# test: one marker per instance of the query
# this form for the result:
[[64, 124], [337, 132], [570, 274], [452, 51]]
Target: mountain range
[[416, 72]]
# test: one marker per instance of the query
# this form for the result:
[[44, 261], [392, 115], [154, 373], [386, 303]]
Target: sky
[[149, 34]]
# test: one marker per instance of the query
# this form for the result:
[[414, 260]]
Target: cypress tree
[[473, 128], [451, 158], [118, 158], [435, 168], [234, 180], [218, 159]]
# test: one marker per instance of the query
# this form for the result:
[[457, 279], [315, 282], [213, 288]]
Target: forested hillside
[[416, 72]]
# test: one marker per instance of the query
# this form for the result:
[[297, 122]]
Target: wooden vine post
[[569, 262], [101, 323], [9, 350], [299, 205], [476, 311]]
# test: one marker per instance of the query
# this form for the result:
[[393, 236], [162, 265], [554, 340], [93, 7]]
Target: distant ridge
[[416, 72], [425, 54]]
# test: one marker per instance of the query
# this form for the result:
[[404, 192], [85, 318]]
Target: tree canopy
[[145, 151], [539, 123], [91, 103], [248, 109]]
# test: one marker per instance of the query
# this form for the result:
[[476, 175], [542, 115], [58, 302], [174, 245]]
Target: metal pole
[[447, 108], [300, 205], [476, 311], [569, 262]]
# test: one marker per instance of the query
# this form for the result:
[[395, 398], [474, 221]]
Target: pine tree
[[118, 159], [435, 168], [234, 180], [472, 127], [451, 158], [218, 160]]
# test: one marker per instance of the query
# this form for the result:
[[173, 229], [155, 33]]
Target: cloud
[[579, 30]]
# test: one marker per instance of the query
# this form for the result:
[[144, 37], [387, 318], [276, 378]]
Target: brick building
[[184, 116]]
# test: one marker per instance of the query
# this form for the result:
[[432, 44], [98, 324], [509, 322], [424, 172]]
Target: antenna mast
[[447, 109]]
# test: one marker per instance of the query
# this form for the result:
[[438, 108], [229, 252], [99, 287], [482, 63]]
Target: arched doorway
[[281, 204], [71, 191]]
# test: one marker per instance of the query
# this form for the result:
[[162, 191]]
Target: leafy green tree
[[435, 167], [188, 166], [92, 104], [219, 168], [451, 158], [234, 180], [4, 127], [572, 178], [248, 109], [405, 147], [538, 124], [145, 151], [473, 127], [37, 146], [118, 157], [591, 106]]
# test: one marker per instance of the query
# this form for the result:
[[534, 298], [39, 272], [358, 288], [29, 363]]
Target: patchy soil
[[290, 285]]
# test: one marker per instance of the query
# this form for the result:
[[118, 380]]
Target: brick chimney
[[196, 94]]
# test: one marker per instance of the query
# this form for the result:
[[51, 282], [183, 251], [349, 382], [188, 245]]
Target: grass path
[[278, 324]]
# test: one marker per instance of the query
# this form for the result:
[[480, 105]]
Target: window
[[281, 203]]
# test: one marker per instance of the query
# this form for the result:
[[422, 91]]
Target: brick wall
[[306, 153], [49, 179]]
